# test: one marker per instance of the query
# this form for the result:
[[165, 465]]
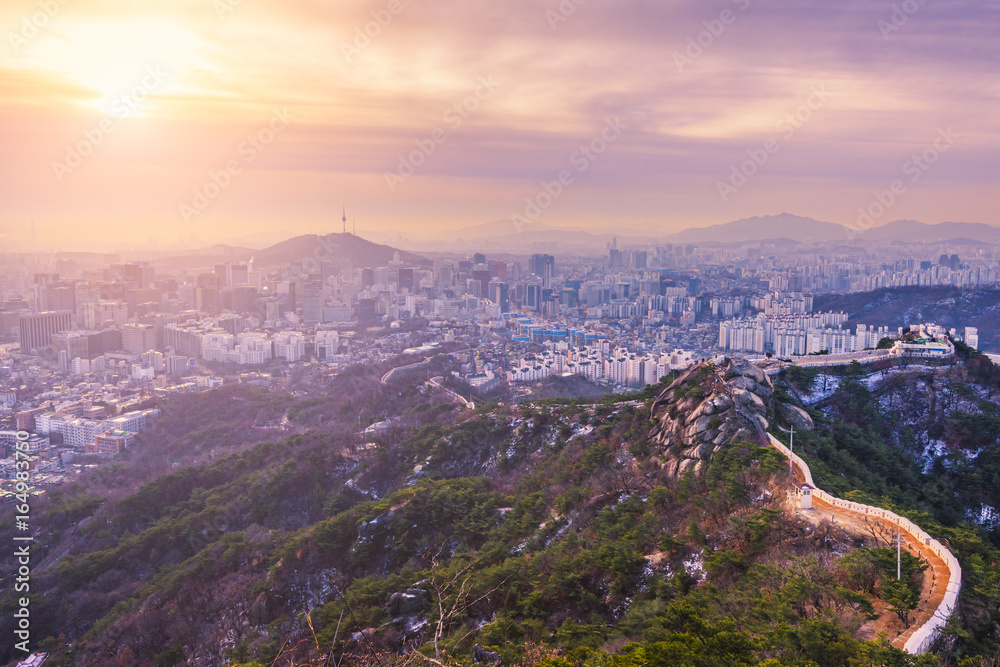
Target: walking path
[[436, 382], [942, 580], [388, 376]]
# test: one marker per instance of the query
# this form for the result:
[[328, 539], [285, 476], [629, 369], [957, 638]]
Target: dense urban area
[[94, 341], [136, 367]]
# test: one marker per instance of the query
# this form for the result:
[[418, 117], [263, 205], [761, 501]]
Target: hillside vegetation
[[952, 307], [559, 532]]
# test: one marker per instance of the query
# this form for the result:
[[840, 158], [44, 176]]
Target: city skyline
[[569, 333], [227, 120]]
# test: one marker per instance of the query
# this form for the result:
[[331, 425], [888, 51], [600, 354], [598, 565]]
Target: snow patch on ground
[[619, 612], [558, 534], [823, 388], [694, 565], [986, 516], [623, 456], [520, 547], [935, 448], [655, 562]]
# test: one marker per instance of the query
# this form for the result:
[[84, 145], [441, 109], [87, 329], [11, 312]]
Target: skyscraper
[[533, 297], [405, 280], [243, 298], [483, 276], [500, 295], [615, 257], [543, 266], [312, 302], [35, 330]]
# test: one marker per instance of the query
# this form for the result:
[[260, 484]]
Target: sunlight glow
[[123, 64]]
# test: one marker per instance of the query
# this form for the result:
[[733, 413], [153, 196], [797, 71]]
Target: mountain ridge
[[503, 236], [540, 237]]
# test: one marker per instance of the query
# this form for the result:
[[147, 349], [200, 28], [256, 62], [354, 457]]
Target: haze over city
[[556, 333], [496, 99]]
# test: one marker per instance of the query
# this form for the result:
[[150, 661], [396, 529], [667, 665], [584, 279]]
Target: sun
[[111, 61]]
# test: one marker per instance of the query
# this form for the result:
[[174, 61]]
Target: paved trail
[[937, 577]]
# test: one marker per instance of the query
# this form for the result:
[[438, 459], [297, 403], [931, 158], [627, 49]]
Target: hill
[[952, 307], [561, 387], [911, 230], [311, 249], [562, 533], [759, 228], [807, 230], [334, 247]]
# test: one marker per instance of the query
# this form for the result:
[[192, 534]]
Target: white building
[[290, 346], [251, 349], [788, 334], [327, 344], [215, 345], [81, 432], [79, 366], [154, 359], [97, 315], [972, 337], [617, 366], [134, 421], [48, 423], [138, 338]]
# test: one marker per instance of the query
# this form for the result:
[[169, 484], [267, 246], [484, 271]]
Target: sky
[[204, 121]]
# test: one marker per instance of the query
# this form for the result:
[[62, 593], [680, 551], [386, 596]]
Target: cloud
[[369, 80]]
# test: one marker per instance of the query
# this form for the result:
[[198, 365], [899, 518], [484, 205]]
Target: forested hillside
[[558, 532], [951, 307]]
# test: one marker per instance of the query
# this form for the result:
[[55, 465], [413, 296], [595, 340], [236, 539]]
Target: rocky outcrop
[[412, 601], [797, 417], [483, 657], [709, 406]]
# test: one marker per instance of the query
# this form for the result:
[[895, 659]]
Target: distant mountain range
[[762, 228], [808, 230], [909, 230], [503, 236]]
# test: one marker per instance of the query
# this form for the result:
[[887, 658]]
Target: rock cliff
[[709, 406]]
